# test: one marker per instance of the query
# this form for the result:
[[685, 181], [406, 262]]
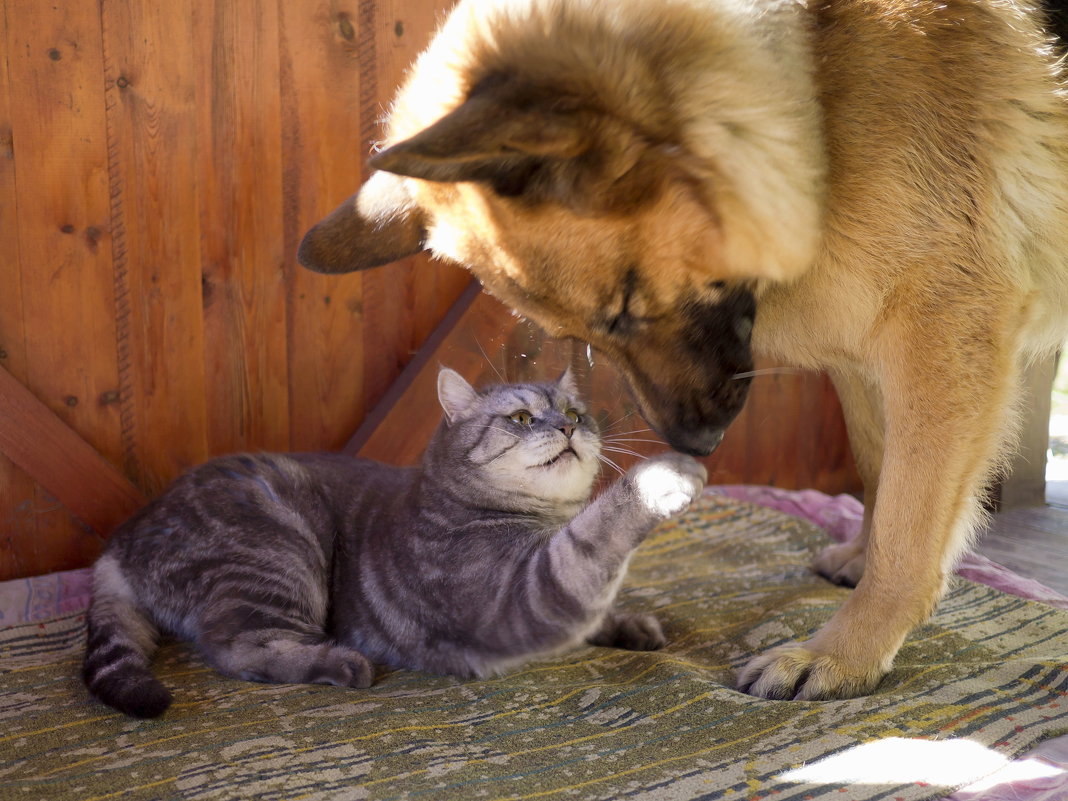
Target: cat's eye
[[572, 415], [523, 417]]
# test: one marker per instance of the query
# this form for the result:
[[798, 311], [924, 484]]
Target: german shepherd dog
[[876, 188]]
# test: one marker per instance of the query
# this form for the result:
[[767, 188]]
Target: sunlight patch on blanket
[[897, 760]]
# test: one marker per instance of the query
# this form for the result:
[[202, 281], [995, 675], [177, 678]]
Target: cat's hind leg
[[282, 650], [277, 658], [632, 632]]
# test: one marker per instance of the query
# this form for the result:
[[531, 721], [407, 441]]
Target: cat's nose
[[568, 430]]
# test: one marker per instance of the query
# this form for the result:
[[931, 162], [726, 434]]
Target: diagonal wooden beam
[[54, 455]]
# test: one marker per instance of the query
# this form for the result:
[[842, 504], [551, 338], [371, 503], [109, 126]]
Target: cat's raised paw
[[668, 483]]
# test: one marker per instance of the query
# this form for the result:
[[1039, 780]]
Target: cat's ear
[[455, 395], [567, 385]]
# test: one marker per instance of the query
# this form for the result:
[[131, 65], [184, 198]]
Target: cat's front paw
[[667, 484], [631, 632]]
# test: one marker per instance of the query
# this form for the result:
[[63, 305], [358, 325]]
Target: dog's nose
[[695, 442]]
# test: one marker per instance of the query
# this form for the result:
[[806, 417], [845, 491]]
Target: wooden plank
[[243, 258], [320, 80], [35, 439], [17, 523], [398, 322], [400, 435], [64, 246], [350, 336], [150, 78], [411, 372]]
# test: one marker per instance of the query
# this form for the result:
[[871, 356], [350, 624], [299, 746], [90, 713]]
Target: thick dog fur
[[884, 181]]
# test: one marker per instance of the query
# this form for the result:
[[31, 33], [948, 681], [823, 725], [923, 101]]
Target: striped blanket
[[983, 680]]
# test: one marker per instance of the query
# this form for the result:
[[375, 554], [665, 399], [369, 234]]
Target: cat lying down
[[307, 568]]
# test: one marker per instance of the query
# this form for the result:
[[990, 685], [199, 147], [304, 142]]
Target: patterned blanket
[[982, 681]]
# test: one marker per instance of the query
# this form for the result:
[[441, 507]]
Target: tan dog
[[884, 181]]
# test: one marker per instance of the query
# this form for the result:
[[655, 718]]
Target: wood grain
[[33, 437], [60, 156], [239, 136], [150, 106], [320, 80], [17, 523]]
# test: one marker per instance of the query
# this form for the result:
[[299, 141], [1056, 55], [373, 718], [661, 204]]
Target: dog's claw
[[798, 673]]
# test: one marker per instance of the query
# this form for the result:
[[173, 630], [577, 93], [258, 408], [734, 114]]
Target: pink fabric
[[44, 597], [841, 517]]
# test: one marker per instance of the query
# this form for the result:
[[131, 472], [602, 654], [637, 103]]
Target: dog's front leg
[[945, 420], [861, 401]]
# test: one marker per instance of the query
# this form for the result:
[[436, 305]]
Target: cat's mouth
[[559, 456]]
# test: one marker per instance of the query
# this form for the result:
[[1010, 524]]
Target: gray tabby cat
[[308, 567]]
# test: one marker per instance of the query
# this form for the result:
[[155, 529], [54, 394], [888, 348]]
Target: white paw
[[668, 483]]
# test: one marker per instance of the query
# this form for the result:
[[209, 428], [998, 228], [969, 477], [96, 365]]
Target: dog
[[875, 188]]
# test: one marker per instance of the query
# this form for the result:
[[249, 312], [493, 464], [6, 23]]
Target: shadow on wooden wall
[[158, 165]]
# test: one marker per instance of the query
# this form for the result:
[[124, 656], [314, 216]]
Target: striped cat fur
[[308, 568]]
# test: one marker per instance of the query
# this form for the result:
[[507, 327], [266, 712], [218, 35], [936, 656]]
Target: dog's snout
[[695, 442]]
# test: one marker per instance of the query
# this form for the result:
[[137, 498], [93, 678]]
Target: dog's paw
[[668, 483], [798, 673], [843, 563]]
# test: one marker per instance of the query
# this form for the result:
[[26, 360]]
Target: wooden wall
[[158, 165]]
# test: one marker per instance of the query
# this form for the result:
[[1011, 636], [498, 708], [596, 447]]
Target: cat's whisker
[[627, 451], [621, 438], [768, 371], [620, 421], [502, 430], [610, 463], [490, 363]]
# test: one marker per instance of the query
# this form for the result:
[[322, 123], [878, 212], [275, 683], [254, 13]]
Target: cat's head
[[531, 446]]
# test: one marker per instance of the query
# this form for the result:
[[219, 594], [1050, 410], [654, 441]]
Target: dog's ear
[[377, 225], [501, 128]]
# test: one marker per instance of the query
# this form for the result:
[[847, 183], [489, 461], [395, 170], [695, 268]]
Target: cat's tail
[[121, 641]]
